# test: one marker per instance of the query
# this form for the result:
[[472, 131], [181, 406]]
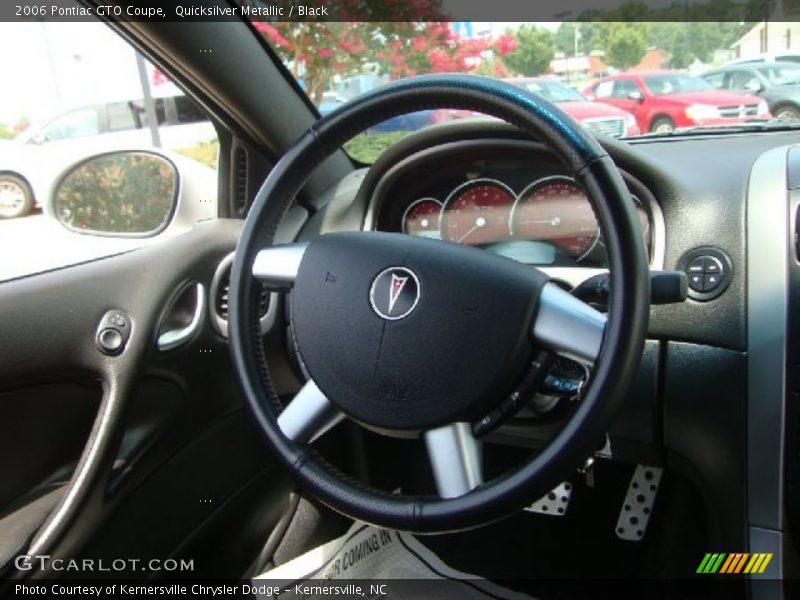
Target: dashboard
[[504, 199]]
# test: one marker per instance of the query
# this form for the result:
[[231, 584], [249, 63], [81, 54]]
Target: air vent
[[239, 181], [223, 295], [219, 299]]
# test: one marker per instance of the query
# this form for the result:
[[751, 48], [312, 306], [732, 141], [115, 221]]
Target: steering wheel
[[368, 310]]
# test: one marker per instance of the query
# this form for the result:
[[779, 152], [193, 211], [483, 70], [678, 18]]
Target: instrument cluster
[[549, 221]]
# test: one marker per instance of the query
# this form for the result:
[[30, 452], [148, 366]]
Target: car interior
[[610, 403]]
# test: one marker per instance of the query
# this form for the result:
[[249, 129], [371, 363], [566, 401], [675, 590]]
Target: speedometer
[[477, 212], [556, 210]]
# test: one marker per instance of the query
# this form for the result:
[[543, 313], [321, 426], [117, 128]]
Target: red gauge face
[[555, 210], [422, 218], [477, 212]]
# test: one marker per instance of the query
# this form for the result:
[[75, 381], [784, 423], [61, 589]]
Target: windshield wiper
[[765, 125]]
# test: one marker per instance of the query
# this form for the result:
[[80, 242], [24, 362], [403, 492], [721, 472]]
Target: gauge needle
[[480, 223]]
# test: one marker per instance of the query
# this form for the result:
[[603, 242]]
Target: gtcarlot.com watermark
[[45, 562]]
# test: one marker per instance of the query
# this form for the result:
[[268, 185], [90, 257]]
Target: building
[[767, 37], [583, 68]]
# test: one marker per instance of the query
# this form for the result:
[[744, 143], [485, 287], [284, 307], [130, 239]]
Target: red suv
[[664, 100], [594, 116]]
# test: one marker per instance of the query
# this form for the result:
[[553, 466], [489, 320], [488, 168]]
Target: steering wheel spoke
[[309, 415], [567, 326], [455, 457], [276, 267]]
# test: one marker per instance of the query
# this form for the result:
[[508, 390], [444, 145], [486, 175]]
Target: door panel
[[136, 424]]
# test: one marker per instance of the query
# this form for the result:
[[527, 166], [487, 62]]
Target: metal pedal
[[555, 502], [638, 504]]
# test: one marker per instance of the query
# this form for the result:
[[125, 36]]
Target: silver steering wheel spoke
[[455, 457], [309, 415], [276, 267], [567, 326]]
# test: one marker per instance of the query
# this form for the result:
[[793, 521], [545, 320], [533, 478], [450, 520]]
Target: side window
[[603, 89], [623, 87], [739, 80], [90, 164], [715, 79], [74, 124]]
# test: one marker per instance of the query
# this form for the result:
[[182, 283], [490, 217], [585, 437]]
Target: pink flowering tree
[[317, 51]]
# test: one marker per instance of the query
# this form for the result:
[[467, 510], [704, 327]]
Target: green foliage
[[204, 152], [564, 38], [535, 49], [5, 132], [118, 193], [367, 147], [686, 31], [686, 42], [625, 45]]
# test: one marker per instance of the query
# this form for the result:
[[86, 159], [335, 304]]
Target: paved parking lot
[[38, 243]]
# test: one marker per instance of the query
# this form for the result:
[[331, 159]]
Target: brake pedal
[[555, 502], [638, 504]]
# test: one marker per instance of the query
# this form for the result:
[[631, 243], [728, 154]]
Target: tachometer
[[422, 218], [556, 210], [477, 212]]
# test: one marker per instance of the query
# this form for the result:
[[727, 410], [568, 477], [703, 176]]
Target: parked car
[[767, 57], [778, 83], [409, 122], [664, 100], [596, 117], [26, 161]]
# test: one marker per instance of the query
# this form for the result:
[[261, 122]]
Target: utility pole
[[149, 104], [562, 16]]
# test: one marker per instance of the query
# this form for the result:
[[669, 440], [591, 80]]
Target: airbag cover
[[453, 354]]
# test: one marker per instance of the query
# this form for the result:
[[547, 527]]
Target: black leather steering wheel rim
[[621, 348]]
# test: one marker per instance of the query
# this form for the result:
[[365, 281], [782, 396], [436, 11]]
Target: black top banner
[[403, 10]]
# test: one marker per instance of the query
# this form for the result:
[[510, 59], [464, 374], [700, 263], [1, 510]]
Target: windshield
[[608, 74], [778, 74], [663, 85]]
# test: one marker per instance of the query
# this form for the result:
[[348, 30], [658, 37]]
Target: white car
[[29, 162]]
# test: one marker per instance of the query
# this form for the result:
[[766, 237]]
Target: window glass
[[75, 124], [715, 79], [623, 88], [776, 74], [553, 91], [674, 83], [84, 104], [742, 80], [604, 89]]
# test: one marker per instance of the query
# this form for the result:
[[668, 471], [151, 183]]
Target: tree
[[686, 42], [686, 31], [534, 50], [565, 38], [625, 45], [316, 51]]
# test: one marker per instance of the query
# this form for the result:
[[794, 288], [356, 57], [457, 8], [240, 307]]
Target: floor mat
[[369, 554]]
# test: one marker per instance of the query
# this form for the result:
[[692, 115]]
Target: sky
[[58, 66], [50, 67]]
